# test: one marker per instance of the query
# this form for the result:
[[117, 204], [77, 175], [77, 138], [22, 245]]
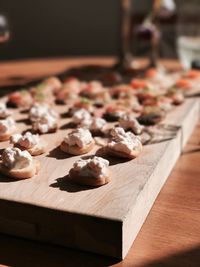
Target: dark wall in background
[[41, 28], [45, 28]]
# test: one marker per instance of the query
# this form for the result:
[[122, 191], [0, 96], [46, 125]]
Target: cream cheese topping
[[97, 124], [14, 158], [28, 140], [123, 141], [81, 115], [45, 124], [3, 110], [38, 111], [95, 167], [128, 121], [86, 123], [94, 124], [7, 125], [80, 137]]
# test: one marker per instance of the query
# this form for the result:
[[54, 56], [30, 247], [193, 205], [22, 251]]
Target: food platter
[[105, 220]]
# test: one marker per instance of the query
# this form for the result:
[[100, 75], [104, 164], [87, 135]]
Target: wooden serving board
[[103, 220]]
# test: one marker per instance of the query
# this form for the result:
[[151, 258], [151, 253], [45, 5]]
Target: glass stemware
[[4, 29]]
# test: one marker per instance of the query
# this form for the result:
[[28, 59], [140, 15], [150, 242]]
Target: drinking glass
[[4, 29], [188, 34]]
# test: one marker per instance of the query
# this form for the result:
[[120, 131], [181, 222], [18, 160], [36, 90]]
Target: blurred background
[[51, 28]]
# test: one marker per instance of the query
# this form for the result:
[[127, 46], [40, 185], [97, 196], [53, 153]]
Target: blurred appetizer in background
[[176, 95], [151, 115], [113, 112], [20, 99], [33, 143], [7, 128], [69, 91]]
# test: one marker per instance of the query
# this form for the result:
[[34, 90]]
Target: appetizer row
[[18, 163], [149, 98]]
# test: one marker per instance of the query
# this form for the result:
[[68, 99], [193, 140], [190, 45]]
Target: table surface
[[170, 235]]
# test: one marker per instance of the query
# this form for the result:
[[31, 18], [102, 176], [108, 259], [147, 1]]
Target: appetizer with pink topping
[[123, 144], [69, 91], [143, 89], [192, 74], [30, 142], [92, 89], [163, 102], [176, 96], [82, 103], [101, 99], [151, 115], [54, 83], [42, 93], [113, 112], [20, 99], [129, 122], [152, 73], [18, 164], [93, 93], [7, 128], [78, 142], [183, 84], [66, 96], [121, 91], [139, 84], [131, 103], [74, 84], [146, 93], [92, 172], [159, 78]]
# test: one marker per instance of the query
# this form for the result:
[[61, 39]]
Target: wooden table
[[170, 235]]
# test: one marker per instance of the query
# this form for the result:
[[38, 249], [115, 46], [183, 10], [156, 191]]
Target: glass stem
[[125, 55]]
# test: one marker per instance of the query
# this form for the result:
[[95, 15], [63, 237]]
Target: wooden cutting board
[[103, 220]]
